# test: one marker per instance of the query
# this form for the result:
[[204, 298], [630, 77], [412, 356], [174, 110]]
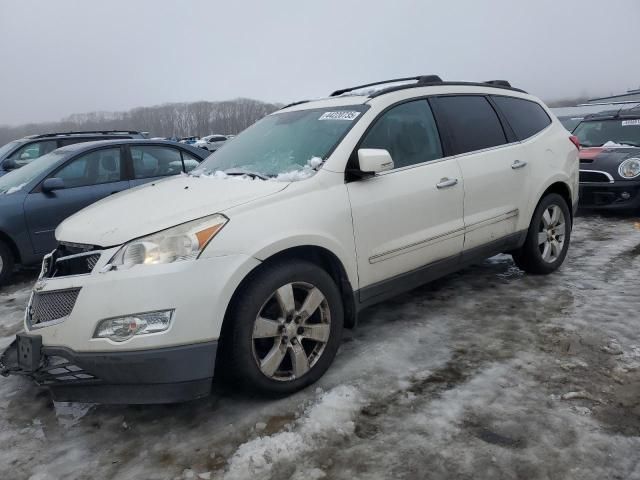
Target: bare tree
[[168, 120]]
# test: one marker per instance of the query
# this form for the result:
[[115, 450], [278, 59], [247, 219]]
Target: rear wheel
[[286, 326], [548, 237], [6, 263]]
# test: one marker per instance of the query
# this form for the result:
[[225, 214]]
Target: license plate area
[[29, 351]]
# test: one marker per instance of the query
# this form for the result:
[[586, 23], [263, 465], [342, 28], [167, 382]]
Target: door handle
[[446, 183], [518, 164]]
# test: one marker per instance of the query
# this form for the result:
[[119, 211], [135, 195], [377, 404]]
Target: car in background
[[189, 140], [212, 142], [610, 159], [40, 195], [20, 152], [570, 122]]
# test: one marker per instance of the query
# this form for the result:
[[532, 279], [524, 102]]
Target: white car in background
[[212, 142], [251, 266]]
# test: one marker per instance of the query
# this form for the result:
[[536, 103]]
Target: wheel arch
[[562, 189], [321, 257]]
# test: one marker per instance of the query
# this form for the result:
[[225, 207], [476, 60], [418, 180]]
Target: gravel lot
[[488, 373]]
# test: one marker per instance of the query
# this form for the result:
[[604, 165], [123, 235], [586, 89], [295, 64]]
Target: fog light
[[625, 195], [120, 329]]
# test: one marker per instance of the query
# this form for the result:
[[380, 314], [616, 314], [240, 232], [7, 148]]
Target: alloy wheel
[[291, 331], [551, 234]]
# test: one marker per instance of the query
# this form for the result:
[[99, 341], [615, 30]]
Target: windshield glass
[[595, 133], [9, 147], [284, 142], [14, 181]]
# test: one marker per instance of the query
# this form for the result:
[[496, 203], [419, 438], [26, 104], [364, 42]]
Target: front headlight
[[179, 243], [630, 168]]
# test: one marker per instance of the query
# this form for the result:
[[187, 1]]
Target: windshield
[[5, 149], [16, 179], [284, 142], [595, 133]]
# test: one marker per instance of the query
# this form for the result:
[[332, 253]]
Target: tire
[[6, 263], [546, 245], [268, 354]]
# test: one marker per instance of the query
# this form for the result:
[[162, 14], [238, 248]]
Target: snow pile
[[303, 173], [612, 144], [331, 417]]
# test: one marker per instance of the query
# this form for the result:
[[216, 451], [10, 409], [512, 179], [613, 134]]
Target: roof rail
[[299, 102], [499, 83], [421, 80], [86, 132]]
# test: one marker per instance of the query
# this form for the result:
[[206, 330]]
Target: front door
[[409, 217], [87, 178]]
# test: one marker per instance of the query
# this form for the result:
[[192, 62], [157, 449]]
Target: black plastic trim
[[380, 291]]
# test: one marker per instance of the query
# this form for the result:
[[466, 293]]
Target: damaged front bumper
[[161, 375]]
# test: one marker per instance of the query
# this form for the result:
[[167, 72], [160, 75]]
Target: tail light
[[575, 141]]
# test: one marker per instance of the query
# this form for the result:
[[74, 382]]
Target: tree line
[[168, 120]]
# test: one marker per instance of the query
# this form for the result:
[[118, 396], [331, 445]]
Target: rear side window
[[471, 122], [525, 117], [408, 132]]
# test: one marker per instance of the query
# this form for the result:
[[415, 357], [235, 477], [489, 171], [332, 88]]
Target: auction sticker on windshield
[[339, 115], [626, 123]]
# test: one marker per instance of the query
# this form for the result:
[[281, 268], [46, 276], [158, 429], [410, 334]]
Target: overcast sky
[[72, 56]]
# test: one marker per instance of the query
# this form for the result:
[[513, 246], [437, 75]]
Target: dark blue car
[[37, 197]]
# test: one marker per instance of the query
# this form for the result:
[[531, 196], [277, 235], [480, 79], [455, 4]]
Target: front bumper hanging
[[163, 375]]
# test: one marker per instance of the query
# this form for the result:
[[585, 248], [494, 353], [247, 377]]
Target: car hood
[[606, 159], [159, 205]]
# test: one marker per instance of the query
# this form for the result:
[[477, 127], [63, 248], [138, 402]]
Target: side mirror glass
[[51, 184], [10, 164], [374, 160]]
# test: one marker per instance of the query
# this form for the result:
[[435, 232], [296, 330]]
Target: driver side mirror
[[374, 160], [10, 164], [51, 184]]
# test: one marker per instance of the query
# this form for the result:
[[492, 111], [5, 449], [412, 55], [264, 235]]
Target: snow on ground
[[488, 373]]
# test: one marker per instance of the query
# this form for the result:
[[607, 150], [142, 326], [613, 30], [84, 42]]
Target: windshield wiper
[[248, 173]]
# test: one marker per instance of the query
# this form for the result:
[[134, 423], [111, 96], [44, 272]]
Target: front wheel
[[285, 329], [547, 238]]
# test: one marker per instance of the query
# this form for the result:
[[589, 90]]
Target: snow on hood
[[157, 206], [612, 144]]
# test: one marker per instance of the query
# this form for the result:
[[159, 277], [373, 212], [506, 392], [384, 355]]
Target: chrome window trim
[[443, 159]]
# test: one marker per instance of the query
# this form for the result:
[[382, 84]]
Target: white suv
[[252, 265]]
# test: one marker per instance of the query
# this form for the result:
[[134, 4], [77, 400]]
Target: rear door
[[409, 217], [88, 178], [153, 162], [493, 165]]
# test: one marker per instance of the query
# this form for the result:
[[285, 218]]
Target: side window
[[525, 117], [190, 162], [471, 122], [100, 166], [155, 161], [408, 132], [31, 151]]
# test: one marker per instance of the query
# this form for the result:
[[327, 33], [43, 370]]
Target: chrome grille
[[53, 305]]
